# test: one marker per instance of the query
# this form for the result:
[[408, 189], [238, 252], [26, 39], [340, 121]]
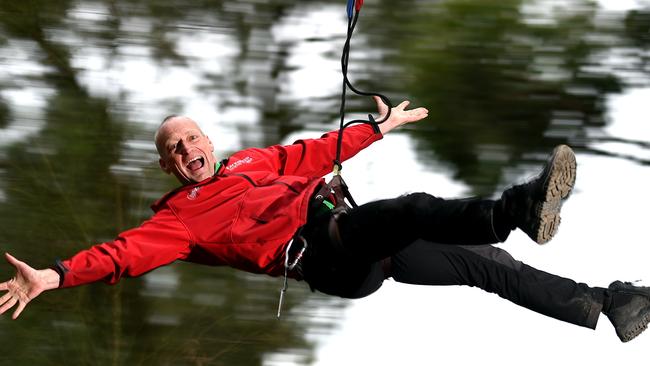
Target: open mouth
[[195, 164]]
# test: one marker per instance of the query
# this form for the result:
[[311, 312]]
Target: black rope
[[345, 56]]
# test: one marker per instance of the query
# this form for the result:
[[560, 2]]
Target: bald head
[[160, 134], [184, 149]]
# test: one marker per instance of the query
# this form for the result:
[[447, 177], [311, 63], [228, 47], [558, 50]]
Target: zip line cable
[[353, 11], [336, 186]]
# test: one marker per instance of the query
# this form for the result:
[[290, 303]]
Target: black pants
[[424, 240]]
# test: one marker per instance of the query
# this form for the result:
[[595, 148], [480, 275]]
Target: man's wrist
[[50, 278]]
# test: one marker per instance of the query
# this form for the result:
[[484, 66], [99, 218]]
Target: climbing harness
[[336, 189]]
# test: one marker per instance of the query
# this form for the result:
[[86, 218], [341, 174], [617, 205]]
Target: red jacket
[[242, 217]]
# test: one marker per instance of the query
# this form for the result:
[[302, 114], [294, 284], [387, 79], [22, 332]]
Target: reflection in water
[[84, 84]]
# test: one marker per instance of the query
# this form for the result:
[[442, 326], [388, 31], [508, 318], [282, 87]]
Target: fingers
[[12, 260], [9, 257], [15, 291], [381, 106], [18, 264], [6, 297], [8, 305], [8, 301], [19, 309], [419, 113], [399, 114], [403, 105]]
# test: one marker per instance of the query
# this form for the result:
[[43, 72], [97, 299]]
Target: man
[[265, 211]]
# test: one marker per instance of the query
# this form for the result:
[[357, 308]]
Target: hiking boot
[[628, 309], [534, 207]]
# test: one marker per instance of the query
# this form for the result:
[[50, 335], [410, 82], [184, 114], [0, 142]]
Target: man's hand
[[25, 286], [398, 115]]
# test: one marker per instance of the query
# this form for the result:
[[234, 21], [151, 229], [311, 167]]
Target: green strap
[[328, 204]]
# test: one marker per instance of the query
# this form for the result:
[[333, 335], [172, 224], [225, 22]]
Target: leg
[[347, 263], [494, 270], [379, 229]]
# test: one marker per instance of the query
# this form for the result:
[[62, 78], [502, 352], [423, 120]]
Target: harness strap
[[334, 232], [338, 191]]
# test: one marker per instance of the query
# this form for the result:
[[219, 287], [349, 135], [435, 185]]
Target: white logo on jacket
[[191, 195], [246, 160]]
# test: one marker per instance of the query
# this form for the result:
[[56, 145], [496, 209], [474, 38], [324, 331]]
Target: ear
[[164, 166]]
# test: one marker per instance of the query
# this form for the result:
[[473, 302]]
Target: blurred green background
[[83, 85]]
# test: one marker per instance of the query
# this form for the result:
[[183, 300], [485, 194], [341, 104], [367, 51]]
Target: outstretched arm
[[398, 115], [26, 284], [314, 157], [157, 242]]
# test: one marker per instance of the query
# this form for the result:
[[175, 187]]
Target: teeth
[[193, 159]]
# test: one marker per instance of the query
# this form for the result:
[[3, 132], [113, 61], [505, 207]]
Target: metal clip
[[282, 292], [289, 267]]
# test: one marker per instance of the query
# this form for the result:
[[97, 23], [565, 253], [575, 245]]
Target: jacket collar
[[220, 166]]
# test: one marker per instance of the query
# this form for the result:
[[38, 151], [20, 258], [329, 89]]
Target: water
[[85, 83]]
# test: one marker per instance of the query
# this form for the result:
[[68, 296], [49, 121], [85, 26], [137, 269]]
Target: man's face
[[184, 150]]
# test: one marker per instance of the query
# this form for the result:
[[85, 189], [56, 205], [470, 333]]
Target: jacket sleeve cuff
[[61, 269], [375, 126]]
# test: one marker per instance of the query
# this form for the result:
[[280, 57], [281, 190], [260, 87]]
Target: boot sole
[[639, 327], [641, 319], [557, 187]]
